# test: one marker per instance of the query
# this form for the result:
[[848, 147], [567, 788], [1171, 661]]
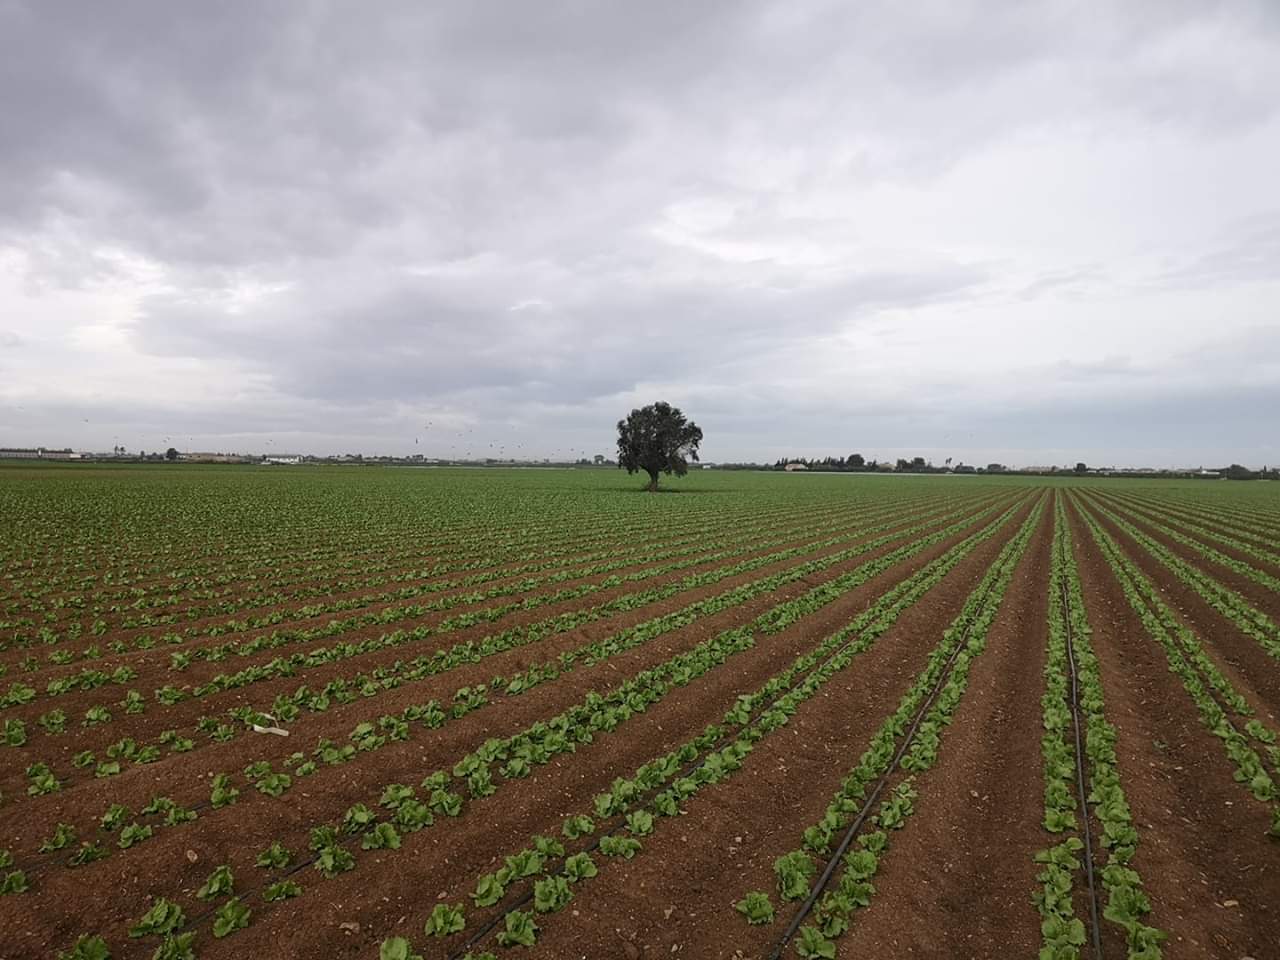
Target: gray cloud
[[802, 220]]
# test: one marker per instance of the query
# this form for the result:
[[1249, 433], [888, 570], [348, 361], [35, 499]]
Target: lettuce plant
[[445, 919], [231, 916], [163, 918], [283, 890], [580, 866], [219, 884], [275, 855], [756, 907], [520, 930]]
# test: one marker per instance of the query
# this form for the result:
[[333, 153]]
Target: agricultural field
[[381, 713]]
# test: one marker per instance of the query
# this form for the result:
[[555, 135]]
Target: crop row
[[1073, 690], [1235, 608], [1208, 688], [664, 786], [908, 740], [1257, 547], [287, 707], [549, 552], [596, 716], [368, 736], [1199, 547], [687, 555]]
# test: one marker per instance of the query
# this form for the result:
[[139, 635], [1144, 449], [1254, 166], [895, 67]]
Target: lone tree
[[171, 454], [657, 439]]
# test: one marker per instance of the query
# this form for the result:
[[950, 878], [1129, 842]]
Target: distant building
[[36, 453], [795, 467], [206, 457], [284, 459]]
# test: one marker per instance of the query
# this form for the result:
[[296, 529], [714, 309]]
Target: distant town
[[852, 464]]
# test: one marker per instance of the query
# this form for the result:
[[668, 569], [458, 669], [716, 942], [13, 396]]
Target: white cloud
[[1016, 233]]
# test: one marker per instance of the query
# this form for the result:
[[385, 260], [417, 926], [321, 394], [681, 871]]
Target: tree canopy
[[657, 439]]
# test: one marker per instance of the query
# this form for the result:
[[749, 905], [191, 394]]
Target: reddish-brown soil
[[337, 722], [956, 882], [1251, 670], [1211, 875], [726, 845], [376, 601], [963, 868], [1260, 595], [243, 593], [323, 797], [1145, 513]]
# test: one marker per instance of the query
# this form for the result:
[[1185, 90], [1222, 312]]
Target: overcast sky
[[1032, 232]]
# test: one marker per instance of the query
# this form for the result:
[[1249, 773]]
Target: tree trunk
[[653, 481]]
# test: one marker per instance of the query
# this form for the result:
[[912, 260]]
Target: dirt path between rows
[[1259, 595], [962, 868], [698, 866], [159, 866], [1211, 874], [1251, 670], [1146, 512], [58, 751]]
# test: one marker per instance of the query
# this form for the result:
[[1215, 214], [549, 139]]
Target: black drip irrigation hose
[[618, 822], [807, 906], [1095, 924], [690, 768], [351, 838], [43, 862]]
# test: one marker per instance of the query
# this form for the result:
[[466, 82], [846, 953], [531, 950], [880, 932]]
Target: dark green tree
[[657, 439], [171, 454], [1081, 467]]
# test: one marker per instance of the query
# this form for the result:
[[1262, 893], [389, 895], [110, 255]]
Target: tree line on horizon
[[856, 463]]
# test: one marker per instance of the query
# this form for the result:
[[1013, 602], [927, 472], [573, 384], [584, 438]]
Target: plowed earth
[[956, 881]]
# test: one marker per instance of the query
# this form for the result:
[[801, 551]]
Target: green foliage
[[793, 871], [577, 826], [756, 907], [63, 836], [580, 866], [397, 948], [162, 919], [230, 917], [220, 883], [489, 890], [87, 947], [177, 947], [383, 836], [281, 890], [223, 793], [551, 894], [657, 439], [333, 859], [812, 943], [133, 834], [446, 919], [615, 846], [276, 855], [15, 881], [520, 930]]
